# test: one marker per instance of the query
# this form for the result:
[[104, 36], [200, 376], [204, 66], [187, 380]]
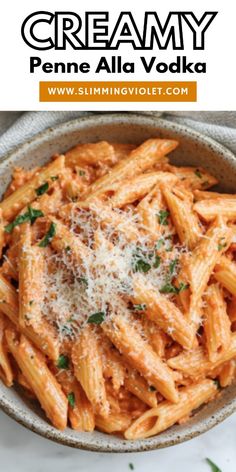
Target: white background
[[216, 89]]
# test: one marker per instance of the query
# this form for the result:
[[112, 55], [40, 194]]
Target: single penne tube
[[2, 234], [39, 377], [196, 363], [140, 159], [24, 195], [31, 279], [43, 337], [164, 313], [148, 208], [136, 188], [203, 195], [114, 423], [204, 257], [6, 372], [88, 369], [209, 209], [158, 419], [65, 240], [194, 177], [138, 386], [140, 355], [80, 410], [184, 218], [225, 273], [81, 416], [216, 322], [91, 154]]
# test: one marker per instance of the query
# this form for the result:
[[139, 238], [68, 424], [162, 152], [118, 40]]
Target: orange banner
[[118, 91]]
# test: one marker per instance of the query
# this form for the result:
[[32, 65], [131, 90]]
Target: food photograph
[[118, 291]]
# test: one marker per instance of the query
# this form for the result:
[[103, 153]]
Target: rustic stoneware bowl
[[194, 149]]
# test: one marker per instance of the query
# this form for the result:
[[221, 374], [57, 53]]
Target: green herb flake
[[182, 287], [131, 466], [42, 189], [222, 244], [31, 302], [213, 466], [163, 217], [68, 249], [172, 266], [48, 236], [81, 173], [141, 266], [159, 243], [157, 262], [139, 307], [54, 177], [71, 399], [198, 173], [168, 288], [63, 362], [31, 215], [84, 281], [97, 318], [151, 388]]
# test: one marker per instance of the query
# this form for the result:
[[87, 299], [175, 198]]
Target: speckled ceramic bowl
[[194, 149]]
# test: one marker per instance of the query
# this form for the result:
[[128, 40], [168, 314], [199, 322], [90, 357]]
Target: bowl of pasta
[[118, 283]]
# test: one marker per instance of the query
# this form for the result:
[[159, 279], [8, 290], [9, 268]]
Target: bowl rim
[[47, 431]]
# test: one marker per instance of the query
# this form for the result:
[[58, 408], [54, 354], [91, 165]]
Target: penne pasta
[[140, 355], [209, 209], [167, 414], [217, 323], [88, 370], [40, 379], [196, 363], [164, 313], [24, 195], [117, 288]]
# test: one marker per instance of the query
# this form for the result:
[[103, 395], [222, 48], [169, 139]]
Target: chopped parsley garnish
[[31, 215], [81, 173], [48, 236], [71, 399], [139, 307], [182, 287], [63, 362], [151, 388], [213, 466], [163, 217], [172, 266], [170, 288], [42, 189], [68, 249], [131, 466], [97, 318], [31, 302], [84, 281], [157, 262], [141, 266], [159, 243], [54, 177], [198, 173], [222, 243]]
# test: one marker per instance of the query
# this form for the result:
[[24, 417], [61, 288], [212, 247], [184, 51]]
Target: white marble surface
[[23, 451]]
